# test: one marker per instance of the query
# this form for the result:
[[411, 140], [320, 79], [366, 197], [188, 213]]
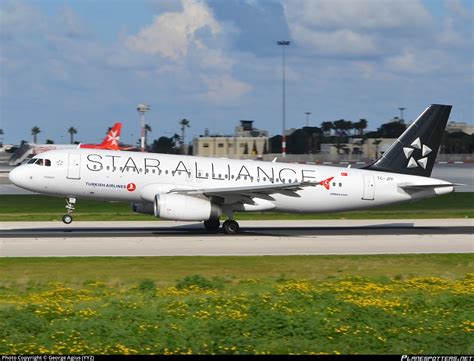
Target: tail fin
[[111, 140], [414, 152]]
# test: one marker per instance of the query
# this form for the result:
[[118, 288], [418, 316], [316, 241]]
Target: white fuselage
[[137, 177]]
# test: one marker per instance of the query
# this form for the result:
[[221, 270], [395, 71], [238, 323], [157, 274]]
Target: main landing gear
[[212, 225], [70, 206], [229, 227]]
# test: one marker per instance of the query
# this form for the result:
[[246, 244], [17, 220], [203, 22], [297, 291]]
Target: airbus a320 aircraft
[[189, 188]]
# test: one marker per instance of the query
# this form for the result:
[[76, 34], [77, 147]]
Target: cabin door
[[369, 187], [74, 166]]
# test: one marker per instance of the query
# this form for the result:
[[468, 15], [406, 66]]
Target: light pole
[[307, 118], [283, 43], [142, 109], [401, 114]]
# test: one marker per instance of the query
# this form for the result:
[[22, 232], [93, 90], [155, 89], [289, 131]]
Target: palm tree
[[184, 124], [35, 131], [327, 127], [339, 147], [349, 126], [361, 125], [339, 127], [72, 131], [147, 129]]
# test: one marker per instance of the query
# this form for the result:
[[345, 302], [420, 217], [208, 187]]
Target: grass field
[[43, 208], [237, 305]]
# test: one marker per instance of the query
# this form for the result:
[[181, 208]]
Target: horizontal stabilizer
[[427, 186]]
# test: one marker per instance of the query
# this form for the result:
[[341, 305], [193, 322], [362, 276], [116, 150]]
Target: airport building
[[246, 141], [464, 127]]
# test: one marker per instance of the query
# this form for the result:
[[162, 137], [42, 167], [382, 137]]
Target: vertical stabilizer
[[111, 140], [414, 152]]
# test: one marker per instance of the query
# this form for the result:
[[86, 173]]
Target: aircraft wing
[[258, 191]]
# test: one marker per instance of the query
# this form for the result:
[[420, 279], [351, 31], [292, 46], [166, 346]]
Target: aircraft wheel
[[212, 225], [67, 219], [231, 227]]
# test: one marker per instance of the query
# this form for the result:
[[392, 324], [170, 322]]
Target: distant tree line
[[308, 140]]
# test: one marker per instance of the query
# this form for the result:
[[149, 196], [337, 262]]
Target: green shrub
[[147, 285], [200, 282]]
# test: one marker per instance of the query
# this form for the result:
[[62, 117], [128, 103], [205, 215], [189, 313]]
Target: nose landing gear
[[70, 206]]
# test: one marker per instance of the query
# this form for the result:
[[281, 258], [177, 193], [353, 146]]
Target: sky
[[89, 63]]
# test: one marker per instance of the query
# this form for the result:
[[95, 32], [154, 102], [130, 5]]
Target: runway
[[314, 237]]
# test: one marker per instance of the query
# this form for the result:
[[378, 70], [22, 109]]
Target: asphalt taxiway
[[307, 237]]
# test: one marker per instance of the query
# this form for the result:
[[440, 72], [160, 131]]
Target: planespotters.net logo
[[437, 358]]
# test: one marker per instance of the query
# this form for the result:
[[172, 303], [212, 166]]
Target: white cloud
[[70, 23], [189, 43], [339, 42], [172, 33], [449, 36], [17, 16], [352, 28], [413, 61], [361, 14], [224, 88], [213, 59], [457, 8]]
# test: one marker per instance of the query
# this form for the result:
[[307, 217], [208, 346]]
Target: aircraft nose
[[18, 176]]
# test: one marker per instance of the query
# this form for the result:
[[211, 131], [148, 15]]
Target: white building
[[464, 127], [247, 141]]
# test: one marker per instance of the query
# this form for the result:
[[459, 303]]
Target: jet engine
[[179, 207]]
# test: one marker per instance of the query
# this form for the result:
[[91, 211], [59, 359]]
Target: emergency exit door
[[74, 166], [369, 187]]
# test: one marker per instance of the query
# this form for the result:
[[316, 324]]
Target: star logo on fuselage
[[326, 183], [419, 147]]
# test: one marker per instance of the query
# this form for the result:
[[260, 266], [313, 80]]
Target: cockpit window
[[40, 161]]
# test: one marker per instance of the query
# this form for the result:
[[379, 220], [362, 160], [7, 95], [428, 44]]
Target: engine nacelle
[[145, 208], [179, 207]]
